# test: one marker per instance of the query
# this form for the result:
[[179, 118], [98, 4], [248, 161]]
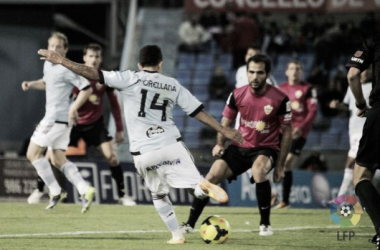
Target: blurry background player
[[367, 159], [355, 127], [159, 154], [54, 129], [303, 101], [90, 126], [264, 111]]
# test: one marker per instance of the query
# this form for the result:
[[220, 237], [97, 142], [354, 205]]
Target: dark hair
[[150, 55], [254, 47], [92, 46], [261, 59]]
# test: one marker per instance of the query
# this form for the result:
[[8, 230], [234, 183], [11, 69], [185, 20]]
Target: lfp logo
[[346, 211]]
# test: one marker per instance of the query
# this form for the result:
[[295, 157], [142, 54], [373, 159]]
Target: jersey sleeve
[[363, 56], [115, 108], [189, 103], [117, 79], [311, 104], [230, 110], [285, 111], [78, 81]]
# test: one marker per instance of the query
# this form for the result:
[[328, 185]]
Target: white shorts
[[354, 144], [51, 134], [170, 166]]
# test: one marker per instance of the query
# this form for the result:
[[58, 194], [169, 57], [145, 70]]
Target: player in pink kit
[[304, 110], [264, 111]]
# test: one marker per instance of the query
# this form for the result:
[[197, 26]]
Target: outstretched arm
[[353, 78], [229, 133], [37, 84], [79, 101], [80, 69]]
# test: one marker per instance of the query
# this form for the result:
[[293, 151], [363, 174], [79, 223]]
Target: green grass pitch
[[24, 226]]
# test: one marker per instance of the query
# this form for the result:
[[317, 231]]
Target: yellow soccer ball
[[215, 230]]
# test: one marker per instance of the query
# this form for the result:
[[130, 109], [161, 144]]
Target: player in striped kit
[[160, 156], [54, 129]]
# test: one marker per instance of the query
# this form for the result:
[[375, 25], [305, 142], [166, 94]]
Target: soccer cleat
[[176, 241], [213, 191], [127, 201], [185, 228], [265, 230], [282, 205], [35, 196], [55, 199], [87, 199], [375, 240]]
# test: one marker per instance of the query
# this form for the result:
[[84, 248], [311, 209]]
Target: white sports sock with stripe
[[44, 170], [72, 174]]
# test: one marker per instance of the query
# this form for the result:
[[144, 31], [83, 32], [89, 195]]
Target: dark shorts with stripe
[[239, 160], [369, 146], [93, 134]]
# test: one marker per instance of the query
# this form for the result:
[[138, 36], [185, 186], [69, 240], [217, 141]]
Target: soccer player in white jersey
[[160, 157], [355, 127], [54, 129]]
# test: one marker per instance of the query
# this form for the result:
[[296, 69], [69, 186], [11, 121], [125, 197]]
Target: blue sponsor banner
[[309, 190]]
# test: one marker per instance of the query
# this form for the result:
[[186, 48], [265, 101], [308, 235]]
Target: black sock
[[40, 184], [263, 195], [287, 186], [117, 175], [196, 210], [370, 199]]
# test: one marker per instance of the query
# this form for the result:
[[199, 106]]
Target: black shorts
[[369, 146], [239, 160], [297, 145], [93, 134]]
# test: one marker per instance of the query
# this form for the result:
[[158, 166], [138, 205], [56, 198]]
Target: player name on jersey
[[157, 85]]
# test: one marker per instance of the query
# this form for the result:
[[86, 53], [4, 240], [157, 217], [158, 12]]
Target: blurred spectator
[[218, 87], [309, 31], [193, 37], [315, 162], [245, 32]]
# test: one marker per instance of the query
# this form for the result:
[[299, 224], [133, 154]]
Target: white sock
[[199, 193], [165, 209], [44, 170], [347, 181], [72, 174]]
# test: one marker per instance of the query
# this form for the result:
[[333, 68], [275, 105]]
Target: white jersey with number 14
[[148, 100]]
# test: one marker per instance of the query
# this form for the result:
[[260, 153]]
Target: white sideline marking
[[154, 231]]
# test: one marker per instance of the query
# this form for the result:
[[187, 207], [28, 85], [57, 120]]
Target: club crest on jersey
[[358, 53], [298, 94], [99, 86], [154, 131], [268, 109]]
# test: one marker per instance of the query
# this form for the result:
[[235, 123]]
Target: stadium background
[[122, 27]]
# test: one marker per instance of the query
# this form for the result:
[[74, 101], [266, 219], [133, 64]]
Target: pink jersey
[[261, 116], [304, 105], [92, 109]]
